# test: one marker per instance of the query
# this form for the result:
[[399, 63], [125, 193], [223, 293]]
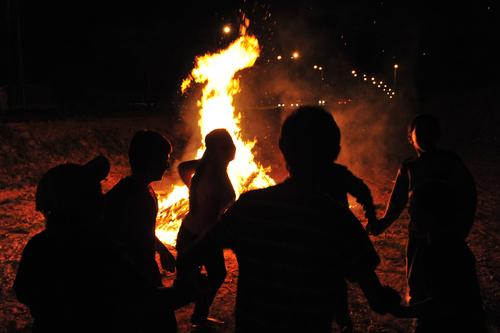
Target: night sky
[[80, 52]]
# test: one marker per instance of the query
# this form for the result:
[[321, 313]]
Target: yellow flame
[[217, 72]]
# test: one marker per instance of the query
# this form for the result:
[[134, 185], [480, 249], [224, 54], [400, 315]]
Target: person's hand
[[369, 225], [376, 228], [392, 299], [167, 261], [403, 311]]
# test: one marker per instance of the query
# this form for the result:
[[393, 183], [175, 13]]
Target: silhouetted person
[[131, 210], [294, 243], [337, 183], [441, 193], [210, 194], [68, 271]]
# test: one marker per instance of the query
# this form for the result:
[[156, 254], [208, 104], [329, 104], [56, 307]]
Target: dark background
[[85, 57]]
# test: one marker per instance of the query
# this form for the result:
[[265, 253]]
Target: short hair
[[309, 136], [146, 147], [427, 130]]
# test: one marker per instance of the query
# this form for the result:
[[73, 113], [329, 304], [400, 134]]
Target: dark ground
[[28, 149]]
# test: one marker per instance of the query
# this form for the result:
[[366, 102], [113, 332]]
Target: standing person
[[55, 260], [294, 244], [210, 194], [441, 193], [337, 183], [131, 209]]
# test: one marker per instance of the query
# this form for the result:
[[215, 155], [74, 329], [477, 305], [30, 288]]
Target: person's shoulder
[[451, 155], [408, 163], [127, 189], [261, 193], [265, 196], [337, 167], [40, 237], [37, 243], [122, 186], [340, 170]]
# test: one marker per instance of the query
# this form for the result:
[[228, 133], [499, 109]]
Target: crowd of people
[[94, 269]]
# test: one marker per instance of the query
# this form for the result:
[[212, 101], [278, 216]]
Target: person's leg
[[343, 317], [417, 269], [216, 273], [187, 269]]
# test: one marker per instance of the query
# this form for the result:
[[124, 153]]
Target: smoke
[[373, 126]]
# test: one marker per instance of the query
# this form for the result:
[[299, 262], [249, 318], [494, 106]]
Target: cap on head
[[70, 189], [426, 130], [309, 136], [146, 147]]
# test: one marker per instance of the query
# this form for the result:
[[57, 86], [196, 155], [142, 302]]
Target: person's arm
[[167, 259], [361, 192], [222, 235], [186, 171], [23, 283], [382, 299], [396, 203]]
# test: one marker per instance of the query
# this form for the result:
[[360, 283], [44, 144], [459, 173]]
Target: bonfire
[[217, 73]]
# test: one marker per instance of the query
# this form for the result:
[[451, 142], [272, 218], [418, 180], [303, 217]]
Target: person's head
[[220, 145], [424, 132], [149, 155], [71, 193], [310, 138]]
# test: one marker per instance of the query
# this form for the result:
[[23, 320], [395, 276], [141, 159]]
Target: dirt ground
[[29, 149]]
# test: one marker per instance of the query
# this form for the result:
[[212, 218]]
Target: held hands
[[167, 260], [375, 227], [392, 298]]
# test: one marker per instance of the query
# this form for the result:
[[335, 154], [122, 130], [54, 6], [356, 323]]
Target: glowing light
[[315, 66], [226, 29], [320, 68], [278, 57], [295, 55], [396, 66], [353, 71]]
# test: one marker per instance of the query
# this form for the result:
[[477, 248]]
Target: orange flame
[[217, 71]]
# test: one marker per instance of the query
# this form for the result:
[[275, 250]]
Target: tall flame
[[217, 71]]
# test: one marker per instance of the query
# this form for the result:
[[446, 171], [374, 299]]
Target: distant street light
[[396, 66], [295, 55], [226, 29]]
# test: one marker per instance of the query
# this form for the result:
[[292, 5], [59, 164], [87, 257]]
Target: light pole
[[396, 66]]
